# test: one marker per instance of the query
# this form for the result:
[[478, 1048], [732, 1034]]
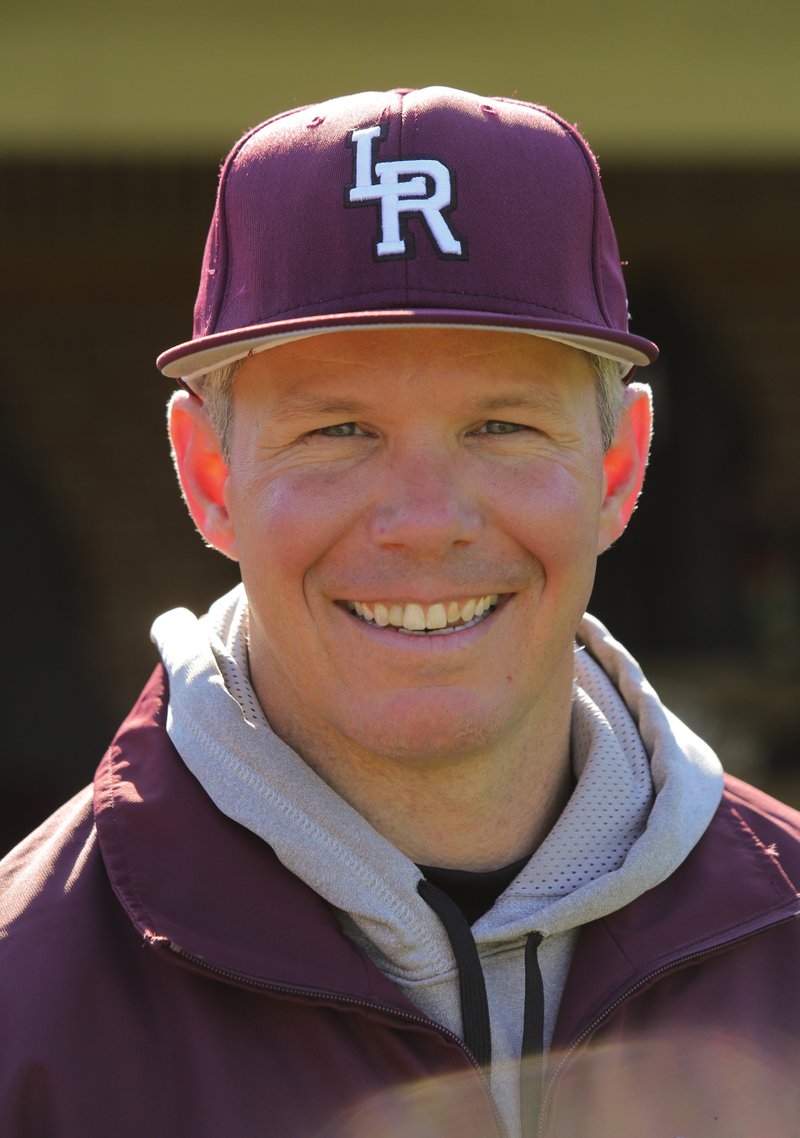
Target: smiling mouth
[[425, 620]]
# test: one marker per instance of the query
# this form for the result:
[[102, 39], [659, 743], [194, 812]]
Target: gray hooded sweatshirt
[[645, 790]]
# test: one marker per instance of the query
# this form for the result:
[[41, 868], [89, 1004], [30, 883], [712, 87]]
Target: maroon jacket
[[162, 974]]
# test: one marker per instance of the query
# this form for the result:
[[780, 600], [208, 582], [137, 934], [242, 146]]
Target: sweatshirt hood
[[646, 788]]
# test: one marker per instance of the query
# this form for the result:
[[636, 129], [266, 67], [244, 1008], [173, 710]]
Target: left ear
[[625, 463]]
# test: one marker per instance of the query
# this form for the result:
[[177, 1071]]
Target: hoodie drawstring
[[475, 1005], [530, 1073], [471, 984]]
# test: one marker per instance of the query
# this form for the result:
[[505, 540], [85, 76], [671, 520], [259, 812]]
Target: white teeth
[[443, 615], [436, 617], [414, 618]]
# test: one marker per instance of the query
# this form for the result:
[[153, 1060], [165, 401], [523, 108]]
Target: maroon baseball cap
[[429, 207]]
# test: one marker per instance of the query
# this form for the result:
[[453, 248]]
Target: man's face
[[404, 476]]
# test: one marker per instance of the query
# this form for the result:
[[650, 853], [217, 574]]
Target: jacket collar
[[193, 881], [732, 885]]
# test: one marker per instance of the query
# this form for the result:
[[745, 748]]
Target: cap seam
[[592, 170], [222, 229], [594, 178]]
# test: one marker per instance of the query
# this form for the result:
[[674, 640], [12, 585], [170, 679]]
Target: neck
[[474, 819], [477, 811]]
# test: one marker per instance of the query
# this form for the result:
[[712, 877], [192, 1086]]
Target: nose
[[425, 504]]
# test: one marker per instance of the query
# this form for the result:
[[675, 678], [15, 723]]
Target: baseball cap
[[409, 207]]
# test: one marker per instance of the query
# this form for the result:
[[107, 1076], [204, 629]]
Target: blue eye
[[501, 427], [339, 431]]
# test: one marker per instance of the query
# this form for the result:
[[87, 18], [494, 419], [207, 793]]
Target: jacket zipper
[[348, 1001], [599, 1020]]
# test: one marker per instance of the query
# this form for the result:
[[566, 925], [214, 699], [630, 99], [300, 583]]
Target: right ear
[[202, 470]]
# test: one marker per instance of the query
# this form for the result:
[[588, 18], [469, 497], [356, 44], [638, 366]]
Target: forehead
[[452, 363]]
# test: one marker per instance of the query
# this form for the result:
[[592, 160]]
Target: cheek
[[284, 525], [554, 513]]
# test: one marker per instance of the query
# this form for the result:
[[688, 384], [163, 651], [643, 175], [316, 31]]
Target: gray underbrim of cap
[[183, 363]]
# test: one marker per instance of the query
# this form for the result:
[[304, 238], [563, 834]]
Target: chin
[[446, 734]]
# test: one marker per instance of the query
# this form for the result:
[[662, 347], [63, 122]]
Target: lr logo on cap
[[423, 186]]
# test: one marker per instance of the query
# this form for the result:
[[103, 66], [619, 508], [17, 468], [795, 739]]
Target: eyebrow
[[305, 403], [308, 404], [532, 399]]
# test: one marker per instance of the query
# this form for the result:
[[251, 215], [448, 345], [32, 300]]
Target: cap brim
[[196, 357]]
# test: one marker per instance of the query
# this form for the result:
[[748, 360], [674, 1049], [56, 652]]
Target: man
[[396, 840]]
